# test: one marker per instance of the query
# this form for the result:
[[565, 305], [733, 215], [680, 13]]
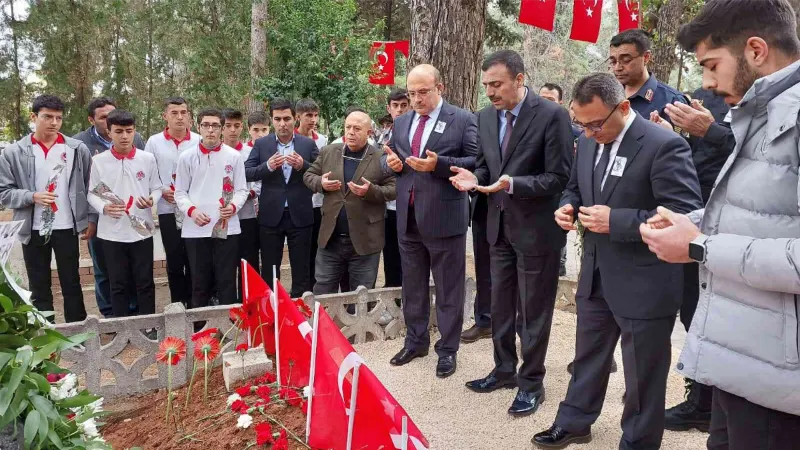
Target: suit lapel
[[588, 152], [362, 166], [628, 149], [491, 148], [446, 116], [526, 115], [338, 166]]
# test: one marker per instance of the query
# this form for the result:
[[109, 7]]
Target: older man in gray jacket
[[44, 178], [744, 336]]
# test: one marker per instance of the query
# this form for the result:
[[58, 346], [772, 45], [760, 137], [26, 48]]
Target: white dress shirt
[[426, 132], [614, 147]]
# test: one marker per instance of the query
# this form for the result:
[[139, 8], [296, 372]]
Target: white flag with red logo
[[378, 416]]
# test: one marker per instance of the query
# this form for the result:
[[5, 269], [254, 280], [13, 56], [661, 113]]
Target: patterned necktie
[[416, 143], [507, 133]]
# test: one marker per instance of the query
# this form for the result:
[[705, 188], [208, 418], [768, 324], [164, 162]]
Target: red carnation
[[239, 406], [264, 392], [282, 443], [227, 188], [241, 348], [264, 433], [244, 390], [268, 378], [291, 396]]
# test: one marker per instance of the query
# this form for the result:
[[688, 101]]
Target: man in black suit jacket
[[285, 211], [432, 215], [525, 154], [624, 168]]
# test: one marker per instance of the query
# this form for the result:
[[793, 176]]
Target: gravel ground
[[452, 417]]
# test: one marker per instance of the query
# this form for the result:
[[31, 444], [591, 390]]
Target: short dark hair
[[99, 102], [600, 84], [385, 119], [554, 87], [176, 101], [257, 118], [509, 58], [397, 95], [48, 102], [638, 37], [730, 23], [280, 104], [210, 112], [232, 114], [354, 108], [120, 118], [306, 105]]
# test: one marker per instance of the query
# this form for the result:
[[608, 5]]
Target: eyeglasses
[[596, 128], [211, 126], [420, 93], [50, 117], [623, 60]]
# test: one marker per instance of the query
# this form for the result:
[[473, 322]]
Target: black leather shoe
[[693, 413], [406, 355], [475, 333], [526, 403], [491, 383], [557, 437], [612, 370], [446, 366]]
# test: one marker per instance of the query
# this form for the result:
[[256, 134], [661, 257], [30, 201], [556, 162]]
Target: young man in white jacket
[[123, 187], [210, 189]]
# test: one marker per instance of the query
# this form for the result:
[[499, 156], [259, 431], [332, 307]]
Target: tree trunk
[[18, 89], [388, 8], [664, 58], [258, 52], [449, 35]]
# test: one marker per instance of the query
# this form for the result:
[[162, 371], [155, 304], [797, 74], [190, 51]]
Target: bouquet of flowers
[[220, 230], [139, 225], [49, 214]]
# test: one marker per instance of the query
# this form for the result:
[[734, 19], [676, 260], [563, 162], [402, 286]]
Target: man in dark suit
[[624, 168], [523, 164], [356, 190], [285, 211], [482, 309], [432, 215]]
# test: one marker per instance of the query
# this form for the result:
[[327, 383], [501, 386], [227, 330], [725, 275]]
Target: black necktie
[[600, 170]]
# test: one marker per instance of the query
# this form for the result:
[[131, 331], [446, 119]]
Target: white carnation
[[244, 421], [89, 428], [232, 398], [306, 391]]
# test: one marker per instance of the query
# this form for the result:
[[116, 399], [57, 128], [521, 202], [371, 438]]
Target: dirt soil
[[138, 421]]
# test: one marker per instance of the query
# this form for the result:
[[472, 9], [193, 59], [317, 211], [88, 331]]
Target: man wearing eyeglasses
[[629, 55], [432, 215], [624, 168]]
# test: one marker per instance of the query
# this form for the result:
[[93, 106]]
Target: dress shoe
[[526, 403], [446, 366], [475, 333], [557, 437], [491, 383], [613, 367], [406, 355]]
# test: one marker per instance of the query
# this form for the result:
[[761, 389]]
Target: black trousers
[[214, 263], [392, 267], [315, 244], [483, 271], [646, 354], [131, 260], [249, 246], [299, 239], [523, 298], [737, 424], [446, 258], [339, 260], [37, 255], [179, 274]]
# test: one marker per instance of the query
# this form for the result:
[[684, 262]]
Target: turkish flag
[[382, 56], [586, 17], [378, 416], [539, 13], [628, 14], [402, 47], [256, 305], [294, 340]]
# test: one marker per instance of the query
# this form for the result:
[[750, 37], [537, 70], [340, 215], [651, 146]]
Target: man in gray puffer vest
[[743, 340]]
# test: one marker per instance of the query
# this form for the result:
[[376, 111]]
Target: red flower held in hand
[[227, 188], [206, 348], [264, 434], [244, 390], [240, 407], [171, 350], [282, 443], [206, 332], [264, 392]]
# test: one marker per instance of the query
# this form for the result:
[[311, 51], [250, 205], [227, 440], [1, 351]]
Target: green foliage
[[54, 416], [320, 49]]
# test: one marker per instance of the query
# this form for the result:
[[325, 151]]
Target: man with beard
[[744, 336]]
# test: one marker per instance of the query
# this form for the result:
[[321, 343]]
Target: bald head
[[357, 126], [424, 88]]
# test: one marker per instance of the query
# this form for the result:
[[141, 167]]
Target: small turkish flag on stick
[[628, 14]]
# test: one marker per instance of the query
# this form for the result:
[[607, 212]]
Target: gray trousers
[[338, 258]]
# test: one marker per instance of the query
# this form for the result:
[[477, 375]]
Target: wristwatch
[[697, 249]]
